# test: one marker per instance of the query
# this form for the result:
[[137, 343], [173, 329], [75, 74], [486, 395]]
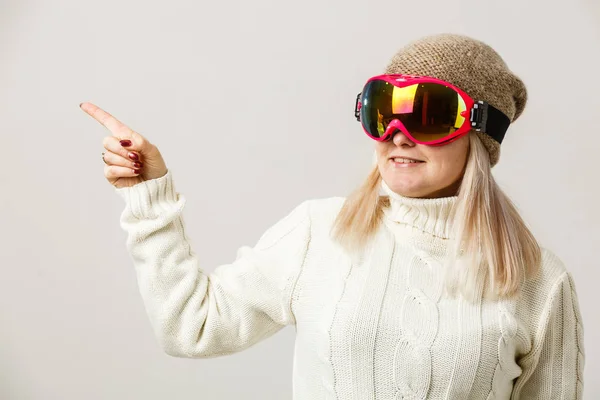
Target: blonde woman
[[425, 283]]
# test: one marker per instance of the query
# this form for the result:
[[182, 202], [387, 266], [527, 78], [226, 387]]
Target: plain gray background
[[251, 104]]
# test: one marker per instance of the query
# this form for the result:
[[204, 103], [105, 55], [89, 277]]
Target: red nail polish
[[125, 143], [133, 156], [137, 164], [136, 171]]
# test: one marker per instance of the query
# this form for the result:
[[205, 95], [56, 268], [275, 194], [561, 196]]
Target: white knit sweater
[[378, 327]]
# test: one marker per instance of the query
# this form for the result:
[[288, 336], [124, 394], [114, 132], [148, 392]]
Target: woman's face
[[438, 174]]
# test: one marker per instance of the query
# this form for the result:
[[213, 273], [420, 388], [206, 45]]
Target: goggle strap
[[489, 120], [357, 107]]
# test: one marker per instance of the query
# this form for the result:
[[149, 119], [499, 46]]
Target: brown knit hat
[[469, 64]]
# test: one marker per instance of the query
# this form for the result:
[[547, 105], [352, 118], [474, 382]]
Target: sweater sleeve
[[195, 314], [554, 366]]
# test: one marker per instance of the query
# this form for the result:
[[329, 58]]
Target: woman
[[424, 283]]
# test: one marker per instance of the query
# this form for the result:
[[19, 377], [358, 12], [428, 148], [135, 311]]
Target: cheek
[[381, 148], [452, 166], [447, 165], [380, 155], [383, 167]]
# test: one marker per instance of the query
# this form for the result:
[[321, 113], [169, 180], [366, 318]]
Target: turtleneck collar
[[428, 215]]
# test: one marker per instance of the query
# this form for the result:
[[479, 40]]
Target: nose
[[400, 139]]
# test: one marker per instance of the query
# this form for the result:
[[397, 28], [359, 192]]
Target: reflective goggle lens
[[429, 111]]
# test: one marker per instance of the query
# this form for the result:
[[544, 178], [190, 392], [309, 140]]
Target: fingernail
[[136, 171], [125, 143], [80, 105], [137, 164], [133, 156]]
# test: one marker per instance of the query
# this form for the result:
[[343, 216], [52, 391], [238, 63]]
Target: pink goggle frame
[[479, 116]]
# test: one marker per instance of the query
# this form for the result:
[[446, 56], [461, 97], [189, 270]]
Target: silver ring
[[104, 159]]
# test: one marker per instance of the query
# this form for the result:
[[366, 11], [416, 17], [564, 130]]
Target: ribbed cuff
[[147, 199]]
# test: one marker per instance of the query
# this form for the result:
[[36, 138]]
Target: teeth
[[404, 160]]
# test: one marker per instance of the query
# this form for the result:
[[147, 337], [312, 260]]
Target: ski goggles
[[427, 110]]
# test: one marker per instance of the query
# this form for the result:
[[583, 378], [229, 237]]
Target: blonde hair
[[491, 241]]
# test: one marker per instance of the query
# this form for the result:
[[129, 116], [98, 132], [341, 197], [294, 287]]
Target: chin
[[407, 190]]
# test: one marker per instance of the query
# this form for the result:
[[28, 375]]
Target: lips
[[403, 159]]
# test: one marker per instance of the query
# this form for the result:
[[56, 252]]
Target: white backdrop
[[251, 104]]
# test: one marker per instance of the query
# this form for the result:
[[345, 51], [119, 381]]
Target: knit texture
[[376, 326], [470, 64]]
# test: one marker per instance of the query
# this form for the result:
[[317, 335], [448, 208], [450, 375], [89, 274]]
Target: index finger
[[117, 128]]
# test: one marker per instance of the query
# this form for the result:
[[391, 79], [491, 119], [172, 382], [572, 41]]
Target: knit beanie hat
[[469, 64]]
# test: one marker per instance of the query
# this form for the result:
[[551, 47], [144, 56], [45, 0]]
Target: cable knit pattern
[[373, 326], [506, 370], [572, 300], [419, 319], [419, 314]]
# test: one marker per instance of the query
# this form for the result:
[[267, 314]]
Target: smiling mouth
[[402, 160]]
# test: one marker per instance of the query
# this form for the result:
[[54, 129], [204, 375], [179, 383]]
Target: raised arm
[[195, 314]]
